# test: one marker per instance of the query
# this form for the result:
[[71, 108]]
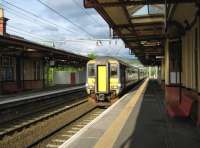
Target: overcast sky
[[72, 33]]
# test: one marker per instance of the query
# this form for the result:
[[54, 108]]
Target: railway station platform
[[30, 96], [138, 120]]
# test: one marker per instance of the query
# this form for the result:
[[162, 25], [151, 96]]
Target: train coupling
[[101, 97]]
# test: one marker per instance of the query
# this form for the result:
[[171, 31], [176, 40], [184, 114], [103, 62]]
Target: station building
[[26, 65], [166, 35]]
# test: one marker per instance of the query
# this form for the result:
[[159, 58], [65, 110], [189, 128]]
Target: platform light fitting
[[30, 49], [159, 57]]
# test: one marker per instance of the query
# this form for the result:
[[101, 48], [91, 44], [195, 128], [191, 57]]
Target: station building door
[[18, 72]]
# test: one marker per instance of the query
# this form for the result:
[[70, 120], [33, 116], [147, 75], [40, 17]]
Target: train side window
[[91, 70], [113, 70]]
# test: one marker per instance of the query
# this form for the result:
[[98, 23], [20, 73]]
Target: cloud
[[85, 19]]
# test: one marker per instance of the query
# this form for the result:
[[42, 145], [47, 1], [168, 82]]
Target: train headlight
[[119, 85], [114, 86], [90, 86]]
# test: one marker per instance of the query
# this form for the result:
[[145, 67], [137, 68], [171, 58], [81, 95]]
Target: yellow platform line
[[110, 136]]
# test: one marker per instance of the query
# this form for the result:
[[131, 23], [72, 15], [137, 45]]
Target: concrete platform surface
[[147, 125], [27, 96]]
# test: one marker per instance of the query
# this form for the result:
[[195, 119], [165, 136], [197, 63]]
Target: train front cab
[[105, 80], [108, 82]]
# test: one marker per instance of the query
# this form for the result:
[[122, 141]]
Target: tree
[[92, 56]]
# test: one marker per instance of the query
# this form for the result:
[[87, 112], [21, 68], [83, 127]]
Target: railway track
[[38, 111], [18, 125], [44, 125], [21, 107], [35, 113], [59, 136]]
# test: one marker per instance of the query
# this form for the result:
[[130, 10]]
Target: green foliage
[[92, 56], [134, 62], [153, 71]]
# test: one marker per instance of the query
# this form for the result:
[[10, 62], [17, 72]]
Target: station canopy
[[139, 23], [14, 45]]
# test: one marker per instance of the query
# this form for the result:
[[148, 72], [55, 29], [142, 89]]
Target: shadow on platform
[[154, 129]]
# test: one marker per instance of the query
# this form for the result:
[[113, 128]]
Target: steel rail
[[39, 119], [57, 130]]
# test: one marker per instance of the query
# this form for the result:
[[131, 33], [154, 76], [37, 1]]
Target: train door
[[102, 79], [73, 78]]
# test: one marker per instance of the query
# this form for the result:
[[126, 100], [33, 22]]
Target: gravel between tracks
[[29, 135]]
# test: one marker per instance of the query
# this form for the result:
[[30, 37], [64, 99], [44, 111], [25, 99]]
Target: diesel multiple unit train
[[107, 77]]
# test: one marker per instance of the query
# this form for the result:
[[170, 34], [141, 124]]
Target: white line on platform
[[81, 131]]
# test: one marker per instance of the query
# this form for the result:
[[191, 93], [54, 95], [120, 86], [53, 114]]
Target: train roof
[[106, 58]]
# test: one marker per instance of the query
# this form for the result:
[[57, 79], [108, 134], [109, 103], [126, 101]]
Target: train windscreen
[[91, 70], [113, 70]]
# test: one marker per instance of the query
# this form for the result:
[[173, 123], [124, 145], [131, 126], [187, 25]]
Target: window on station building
[[113, 70], [175, 62], [37, 70], [91, 70], [7, 64]]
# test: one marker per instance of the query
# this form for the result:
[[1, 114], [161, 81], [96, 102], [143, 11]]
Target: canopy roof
[[139, 23], [11, 45]]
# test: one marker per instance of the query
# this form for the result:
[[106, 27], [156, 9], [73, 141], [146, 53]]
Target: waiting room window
[[37, 72], [7, 64], [174, 61]]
